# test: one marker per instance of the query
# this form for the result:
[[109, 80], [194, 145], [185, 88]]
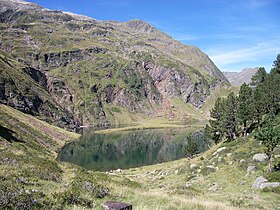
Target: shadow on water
[[129, 149]]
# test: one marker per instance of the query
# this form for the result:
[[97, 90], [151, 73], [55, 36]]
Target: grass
[[33, 167], [60, 136], [221, 91]]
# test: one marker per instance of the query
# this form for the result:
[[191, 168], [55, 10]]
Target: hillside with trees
[[254, 110]]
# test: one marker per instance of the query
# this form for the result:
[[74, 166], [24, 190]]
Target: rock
[[119, 170], [176, 172], [269, 185], [259, 180], [111, 205], [243, 182], [221, 149], [211, 168], [250, 169], [220, 159], [218, 151], [188, 184], [21, 180], [229, 154], [260, 157], [262, 183], [242, 161], [214, 187], [193, 166]]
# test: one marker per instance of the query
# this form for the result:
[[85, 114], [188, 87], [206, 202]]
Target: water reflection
[[130, 148]]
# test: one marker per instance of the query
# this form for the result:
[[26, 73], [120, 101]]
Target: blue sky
[[235, 34]]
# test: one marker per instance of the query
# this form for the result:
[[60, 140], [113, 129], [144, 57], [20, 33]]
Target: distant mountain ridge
[[238, 78]]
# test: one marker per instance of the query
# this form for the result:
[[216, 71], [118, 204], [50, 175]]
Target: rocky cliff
[[98, 72]]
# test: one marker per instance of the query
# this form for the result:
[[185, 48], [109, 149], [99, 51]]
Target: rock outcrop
[[260, 157], [262, 183]]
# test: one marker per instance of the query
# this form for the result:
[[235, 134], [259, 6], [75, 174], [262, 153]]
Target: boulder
[[221, 149], [269, 185], [260, 157], [262, 183], [111, 205], [218, 151], [193, 166], [259, 180], [119, 170], [242, 161]]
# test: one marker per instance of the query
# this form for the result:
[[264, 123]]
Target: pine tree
[[269, 134], [259, 103], [259, 77], [217, 115], [245, 105], [271, 93], [191, 148], [276, 65], [231, 116]]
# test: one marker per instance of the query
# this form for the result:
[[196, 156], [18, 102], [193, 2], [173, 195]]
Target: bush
[[274, 190], [273, 176], [13, 196], [70, 197]]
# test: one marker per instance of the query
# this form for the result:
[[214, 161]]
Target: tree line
[[254, 108]]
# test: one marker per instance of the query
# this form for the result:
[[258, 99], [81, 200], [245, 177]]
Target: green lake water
[[129, 149]]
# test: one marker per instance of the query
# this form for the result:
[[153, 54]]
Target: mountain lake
[[129, 149]]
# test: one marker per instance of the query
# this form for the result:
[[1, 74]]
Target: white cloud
[[226, 59]]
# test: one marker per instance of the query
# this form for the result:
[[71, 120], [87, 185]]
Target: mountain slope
[[238, 78], [100, 71]]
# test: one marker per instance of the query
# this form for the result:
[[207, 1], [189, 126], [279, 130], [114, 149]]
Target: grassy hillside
[[32, 177]]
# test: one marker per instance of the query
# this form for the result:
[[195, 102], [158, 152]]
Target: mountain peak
[[238, 78], [139, 26], [17, 4]]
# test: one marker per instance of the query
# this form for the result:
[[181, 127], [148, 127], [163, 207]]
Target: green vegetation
[[232, 114], [69, 72], [253, 110], [31, 177]]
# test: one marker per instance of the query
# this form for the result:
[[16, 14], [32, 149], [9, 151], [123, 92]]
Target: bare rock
[[188, 184], [259, 180], [112, 205], [193, 166], [269, 185], [262, 183], [260, 157], [242, 161], [218, 151]]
